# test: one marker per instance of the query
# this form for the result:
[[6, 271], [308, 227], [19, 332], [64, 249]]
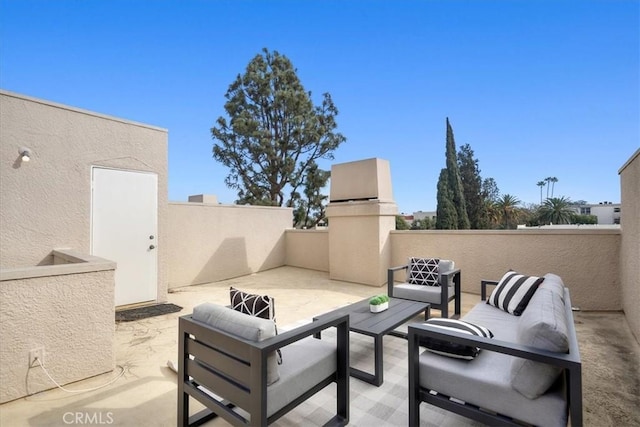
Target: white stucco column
[[361, 214]]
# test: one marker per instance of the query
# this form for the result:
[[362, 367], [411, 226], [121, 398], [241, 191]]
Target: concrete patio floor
[[145, 395]]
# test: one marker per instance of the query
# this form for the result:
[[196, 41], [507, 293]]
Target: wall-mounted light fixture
[[25, 154]]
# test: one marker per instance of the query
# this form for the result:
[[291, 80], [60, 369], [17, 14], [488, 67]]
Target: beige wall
[[359, 248], [46, 203], [66, 308], [308, 249], [587, 261], [208, 242], [630, 246]]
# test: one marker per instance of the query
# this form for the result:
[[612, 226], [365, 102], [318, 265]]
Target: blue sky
[[537, 88]]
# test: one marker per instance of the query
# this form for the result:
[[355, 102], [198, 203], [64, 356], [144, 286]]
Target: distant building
[[422, 215], [606, 212]]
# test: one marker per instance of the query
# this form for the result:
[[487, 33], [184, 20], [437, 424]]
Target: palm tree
[[508, 208], [490, 214], [556, 210], [553, 181], [548, 180], [541, 184]]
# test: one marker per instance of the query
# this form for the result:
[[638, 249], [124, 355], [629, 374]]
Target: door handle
[[151, 247]]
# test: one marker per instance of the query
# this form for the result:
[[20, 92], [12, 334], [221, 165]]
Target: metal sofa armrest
[[563, 360], [390, 277], [483, 288]]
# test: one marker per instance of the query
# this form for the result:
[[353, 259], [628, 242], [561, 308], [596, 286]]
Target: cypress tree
[[454, 182], [446, 215], [471, 185]]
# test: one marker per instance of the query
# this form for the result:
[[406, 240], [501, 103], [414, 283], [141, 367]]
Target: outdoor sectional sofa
[[517, 376]]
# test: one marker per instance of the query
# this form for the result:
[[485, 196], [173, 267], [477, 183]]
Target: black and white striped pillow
[[514, 291], [447, 348]]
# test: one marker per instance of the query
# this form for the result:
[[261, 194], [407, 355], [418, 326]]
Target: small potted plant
[[379, 303]]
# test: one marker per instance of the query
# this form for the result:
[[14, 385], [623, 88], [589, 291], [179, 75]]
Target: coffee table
[[377, 325]]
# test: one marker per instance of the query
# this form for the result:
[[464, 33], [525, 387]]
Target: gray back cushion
[[543, 325], [242, 325], [553, 283]]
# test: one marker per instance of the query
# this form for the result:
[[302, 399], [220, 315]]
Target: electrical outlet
[[36, 353]]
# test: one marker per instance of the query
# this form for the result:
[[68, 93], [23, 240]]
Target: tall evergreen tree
[[311, 210], [274, 134], [446, 214], [454, 182], [471, 186]]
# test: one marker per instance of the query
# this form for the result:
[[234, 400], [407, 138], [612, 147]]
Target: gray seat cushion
[[305, 364], [486, 380], [241, 325], [422, 293]]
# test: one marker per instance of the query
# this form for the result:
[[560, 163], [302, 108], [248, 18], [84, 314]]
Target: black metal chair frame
[[236, 370], [569, 362], [445, 298]]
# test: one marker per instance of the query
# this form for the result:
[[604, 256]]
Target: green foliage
[[401, 224], [455, 182], [423, 224], [507, 207], [585, 219], [556, 210], [446, 214], [273, 137], [471, 186], [310, 210], [378, 299]]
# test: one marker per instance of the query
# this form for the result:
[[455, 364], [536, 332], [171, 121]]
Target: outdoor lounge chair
[[428, 280], [227, 361]]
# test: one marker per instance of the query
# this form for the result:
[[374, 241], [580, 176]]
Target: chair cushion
[[484, 381], [553, 283], [450, 349], [514, 292], [307, 362], [430, 294], [241, 325], [543, 325]]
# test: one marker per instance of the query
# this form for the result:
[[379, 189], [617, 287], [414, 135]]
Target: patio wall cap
[[227, 206], [362, 208], [527, 232], [73, 262]]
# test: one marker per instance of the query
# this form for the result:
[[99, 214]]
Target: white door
[[124, 225]]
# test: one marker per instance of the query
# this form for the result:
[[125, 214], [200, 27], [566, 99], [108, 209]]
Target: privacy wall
[[630, 246], [209, 242]]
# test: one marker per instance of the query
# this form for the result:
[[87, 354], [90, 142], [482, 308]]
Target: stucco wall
[[308, 249], [216, 242], [46, 203], [587, 261], [65, 313], [630, 245]]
